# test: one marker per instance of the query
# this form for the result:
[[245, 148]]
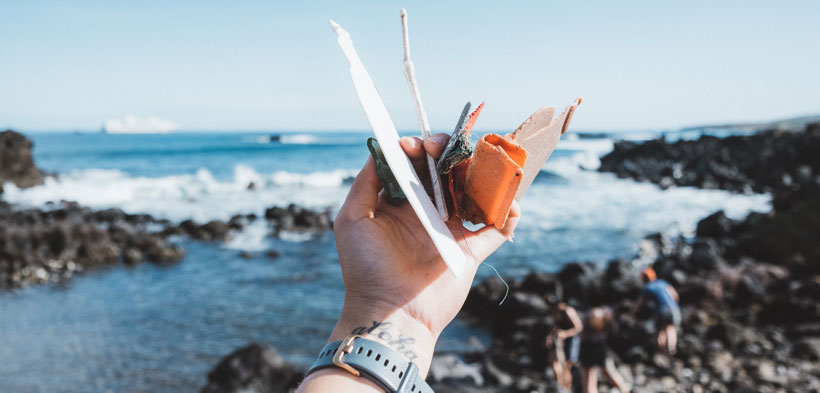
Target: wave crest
[[200, 196]]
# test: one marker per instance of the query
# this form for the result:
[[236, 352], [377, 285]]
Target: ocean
[[161, 328]]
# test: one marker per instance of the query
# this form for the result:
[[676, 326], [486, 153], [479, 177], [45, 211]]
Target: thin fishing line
[[506, 286], [470, 251]]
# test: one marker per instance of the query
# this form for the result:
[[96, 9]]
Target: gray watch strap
[[378, 363]]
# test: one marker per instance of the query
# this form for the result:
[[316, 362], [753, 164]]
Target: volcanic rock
[[255, 368], [16, 164]]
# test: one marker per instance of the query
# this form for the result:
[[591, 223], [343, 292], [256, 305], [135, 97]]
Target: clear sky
[[268, 65]]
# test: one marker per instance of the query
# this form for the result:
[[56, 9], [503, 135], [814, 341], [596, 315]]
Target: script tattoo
[[396, 341]]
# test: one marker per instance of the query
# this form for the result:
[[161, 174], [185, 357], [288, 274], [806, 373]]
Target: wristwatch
[[374, 361]]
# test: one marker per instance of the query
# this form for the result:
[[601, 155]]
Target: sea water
[[157, 329]]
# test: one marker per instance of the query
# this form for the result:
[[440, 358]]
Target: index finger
[[435, 144]]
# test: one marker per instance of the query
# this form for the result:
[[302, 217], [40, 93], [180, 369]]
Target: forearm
[[397, 330]]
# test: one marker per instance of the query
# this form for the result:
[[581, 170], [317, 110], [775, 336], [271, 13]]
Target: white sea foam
[[600, 200], [199, 196], [254, 237], [299, 139], [581, 200]]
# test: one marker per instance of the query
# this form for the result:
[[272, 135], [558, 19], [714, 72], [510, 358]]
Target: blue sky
[[265, 65]]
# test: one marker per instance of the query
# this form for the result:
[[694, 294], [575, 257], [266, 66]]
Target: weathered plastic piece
[[392, 190], [458, 147], [495, 172]]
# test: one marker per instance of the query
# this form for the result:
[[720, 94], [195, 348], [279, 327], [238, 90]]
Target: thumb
[[363, 196], [485, 241]]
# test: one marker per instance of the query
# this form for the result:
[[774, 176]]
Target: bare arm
[[577, 326], [673, 293]]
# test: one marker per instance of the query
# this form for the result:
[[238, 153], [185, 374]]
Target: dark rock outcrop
[[761, 162], [295, 218], [49, 245], [16, 164], [255, 368], [39, 246]]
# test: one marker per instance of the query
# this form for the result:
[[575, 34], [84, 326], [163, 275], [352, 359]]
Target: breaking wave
[[200, 196]]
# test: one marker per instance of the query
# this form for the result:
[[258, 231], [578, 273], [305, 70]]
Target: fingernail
[[439, 139]]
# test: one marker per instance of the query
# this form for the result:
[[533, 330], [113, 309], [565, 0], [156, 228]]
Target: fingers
[[412, 147], [363, 196], [414, 150], [435, 144], [486, 240]]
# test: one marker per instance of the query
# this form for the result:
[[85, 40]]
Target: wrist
[[396, 329]]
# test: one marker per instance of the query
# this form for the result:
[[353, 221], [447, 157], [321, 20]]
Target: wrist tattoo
[[382, 330]]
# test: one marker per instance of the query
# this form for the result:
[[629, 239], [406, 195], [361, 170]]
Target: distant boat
[[130, 124]]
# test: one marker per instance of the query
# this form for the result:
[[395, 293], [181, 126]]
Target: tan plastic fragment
[[539, 135]]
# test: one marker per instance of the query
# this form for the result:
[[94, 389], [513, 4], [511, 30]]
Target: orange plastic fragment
[[493, 177], [473, 118]]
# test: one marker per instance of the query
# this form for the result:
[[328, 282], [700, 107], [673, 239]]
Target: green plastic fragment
[[392, 190]]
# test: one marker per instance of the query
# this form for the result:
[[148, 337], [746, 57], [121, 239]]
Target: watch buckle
[[345, 347]]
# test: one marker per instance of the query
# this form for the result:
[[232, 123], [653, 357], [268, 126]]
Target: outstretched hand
[[397, 287]]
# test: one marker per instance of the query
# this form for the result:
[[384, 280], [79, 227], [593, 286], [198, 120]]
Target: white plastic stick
[[424, 124], [400, 165]]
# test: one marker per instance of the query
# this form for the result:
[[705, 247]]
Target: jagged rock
[[16, 164], [807, 349], [452, 370], [255, 368], [621, 281], [45, 246], [298, 219], [214, 230], [716, 225], [761, 162], [581, 283]]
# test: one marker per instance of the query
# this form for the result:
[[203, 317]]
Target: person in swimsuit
[[563, 340], [664, 300], [599, 324]]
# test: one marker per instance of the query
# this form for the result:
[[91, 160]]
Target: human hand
[[397, 287]]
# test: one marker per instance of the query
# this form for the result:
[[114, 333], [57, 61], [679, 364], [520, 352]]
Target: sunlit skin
[[392, 272]]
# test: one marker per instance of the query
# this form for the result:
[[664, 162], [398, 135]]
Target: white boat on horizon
[[130, 124]]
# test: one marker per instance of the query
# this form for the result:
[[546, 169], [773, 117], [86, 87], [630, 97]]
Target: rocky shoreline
[[38, 246], [749, 288], [53, 243]]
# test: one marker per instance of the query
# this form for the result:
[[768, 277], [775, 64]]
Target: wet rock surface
[[255, 368], [763, 162], [16, 164], [39, 246], [745, 321], [295, 218], [53, 243]]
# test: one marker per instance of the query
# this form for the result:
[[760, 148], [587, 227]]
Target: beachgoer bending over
[[664, 300], [399, 295], [599, 324], [563, 340]]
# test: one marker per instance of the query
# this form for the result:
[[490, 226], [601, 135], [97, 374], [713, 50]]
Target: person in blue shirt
[[664, 301]]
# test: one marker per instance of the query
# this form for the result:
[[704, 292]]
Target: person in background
[[399, 295], [664, 300], [563, 340], [599, 324]]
